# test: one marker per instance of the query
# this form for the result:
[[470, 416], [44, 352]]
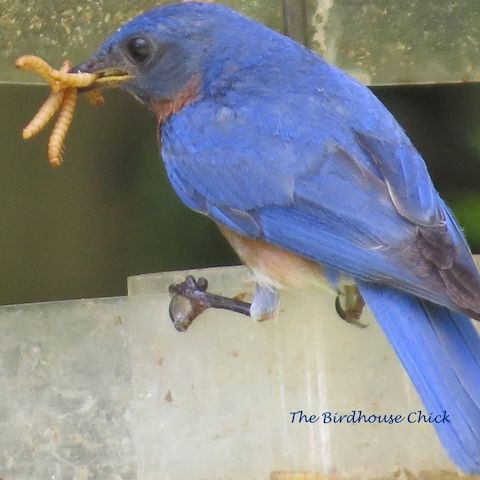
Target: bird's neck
[[165, 108]]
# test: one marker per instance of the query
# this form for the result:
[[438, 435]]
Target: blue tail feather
[[440, 350]]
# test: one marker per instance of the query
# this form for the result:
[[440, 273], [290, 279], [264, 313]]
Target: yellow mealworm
[[35, 64], [65, 116], [43, 116], [58, 79], [46, 111], [77, 80], [95, 98], [63, 99]]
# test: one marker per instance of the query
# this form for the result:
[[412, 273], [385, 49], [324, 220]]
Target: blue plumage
[[274, 143]]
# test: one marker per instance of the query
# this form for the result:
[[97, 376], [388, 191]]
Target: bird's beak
[[106, 76]]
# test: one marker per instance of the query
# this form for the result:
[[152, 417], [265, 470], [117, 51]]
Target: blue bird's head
[[168, 56]]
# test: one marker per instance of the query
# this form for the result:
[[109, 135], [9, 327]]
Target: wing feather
[[336, 181]]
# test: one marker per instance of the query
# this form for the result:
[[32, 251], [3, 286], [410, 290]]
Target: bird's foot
[[349, 305], [190, 298]]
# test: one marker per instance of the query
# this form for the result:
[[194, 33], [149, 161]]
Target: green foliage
[[467, 210]]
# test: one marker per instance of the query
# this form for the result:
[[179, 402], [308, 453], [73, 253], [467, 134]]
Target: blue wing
[[324, 171]]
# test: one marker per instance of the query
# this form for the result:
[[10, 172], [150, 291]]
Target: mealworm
[[59, 132], [43, 116], [63, 99], [58, 79], [35, 64], [46, 111], [77, 80], [95, 98]]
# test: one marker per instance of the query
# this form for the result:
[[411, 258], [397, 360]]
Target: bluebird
[[313, 183]]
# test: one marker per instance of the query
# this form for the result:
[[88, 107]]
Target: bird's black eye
[[139, 49]]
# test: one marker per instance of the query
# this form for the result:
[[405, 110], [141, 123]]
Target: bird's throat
[[165, 108]]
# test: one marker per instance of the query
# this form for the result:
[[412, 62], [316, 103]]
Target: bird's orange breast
[[164, 109], [281, 267]]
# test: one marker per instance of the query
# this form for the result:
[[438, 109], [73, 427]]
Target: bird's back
[[282, 146]]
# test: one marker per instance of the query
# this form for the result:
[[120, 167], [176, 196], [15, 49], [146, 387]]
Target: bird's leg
[[265, 303], [349, 305], [190, 298]]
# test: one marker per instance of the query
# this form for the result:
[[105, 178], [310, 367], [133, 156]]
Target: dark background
[[109, 212]]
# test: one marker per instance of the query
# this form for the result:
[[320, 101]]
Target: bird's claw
[[190, 298], [353, 310], [184, 306]]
